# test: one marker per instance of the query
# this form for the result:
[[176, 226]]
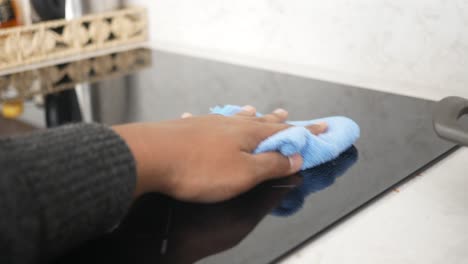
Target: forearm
[[60, 187]]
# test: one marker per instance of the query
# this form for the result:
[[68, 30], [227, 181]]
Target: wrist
[[137, 149]]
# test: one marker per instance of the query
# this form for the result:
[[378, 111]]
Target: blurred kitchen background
[[416, 47]]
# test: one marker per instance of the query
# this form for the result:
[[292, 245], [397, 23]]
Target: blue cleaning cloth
[[341, 134], [315, 180]]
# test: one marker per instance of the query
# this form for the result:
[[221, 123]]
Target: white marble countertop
[[422, 221]]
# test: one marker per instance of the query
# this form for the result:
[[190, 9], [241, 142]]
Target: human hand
[[208, 158]]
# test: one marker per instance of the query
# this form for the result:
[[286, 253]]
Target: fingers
[[318, 128], [271, 165], [315, 129], [278, 116], [186, 115], [248, 111], [265, 130], [260, 131]]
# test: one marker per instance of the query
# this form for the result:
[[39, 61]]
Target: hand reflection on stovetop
[[161, 230], [315, 180]]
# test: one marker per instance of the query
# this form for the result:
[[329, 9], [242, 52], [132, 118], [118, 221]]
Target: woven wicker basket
[[61, 38]]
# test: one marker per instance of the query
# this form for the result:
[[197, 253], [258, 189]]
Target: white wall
[[418, 47]]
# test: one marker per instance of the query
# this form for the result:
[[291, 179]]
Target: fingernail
[[186, 114], [249, 108], [280, 111], [295, 162], [323, 124]]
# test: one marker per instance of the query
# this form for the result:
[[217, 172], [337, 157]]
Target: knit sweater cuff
[[82, 177]]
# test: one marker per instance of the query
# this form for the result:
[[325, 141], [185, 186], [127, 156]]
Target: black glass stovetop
[[397, 141]]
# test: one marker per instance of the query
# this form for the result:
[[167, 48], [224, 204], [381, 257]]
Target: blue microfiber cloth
[[341, 134]]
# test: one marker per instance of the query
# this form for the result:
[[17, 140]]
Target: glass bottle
[[8, 14]]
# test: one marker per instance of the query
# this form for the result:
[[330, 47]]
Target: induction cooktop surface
[[397, 141]]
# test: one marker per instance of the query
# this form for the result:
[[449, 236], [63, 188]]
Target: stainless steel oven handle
[[445, 119]]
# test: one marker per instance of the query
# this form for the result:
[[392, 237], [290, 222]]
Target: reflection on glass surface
[[315, 180], [61, 108], [161, 230], [46, 80]]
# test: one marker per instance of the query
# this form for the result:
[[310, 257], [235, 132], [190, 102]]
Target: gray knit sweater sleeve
[[60, 187]]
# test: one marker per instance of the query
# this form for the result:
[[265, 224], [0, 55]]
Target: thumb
[[271, 165]]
